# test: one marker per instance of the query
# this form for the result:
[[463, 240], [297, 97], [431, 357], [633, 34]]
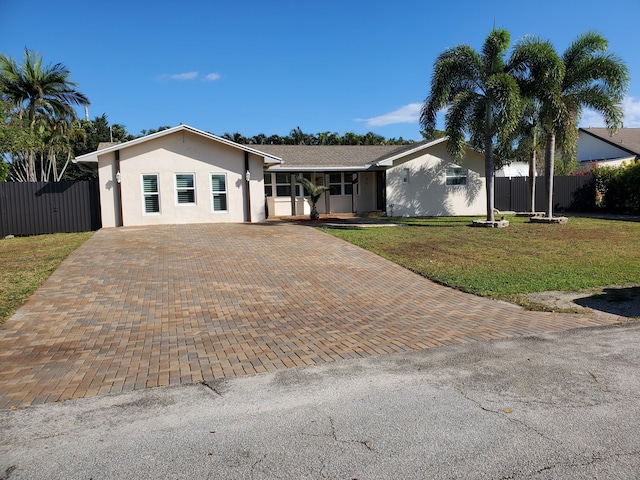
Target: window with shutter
[[185, 189], [150, 193], [219, 192]]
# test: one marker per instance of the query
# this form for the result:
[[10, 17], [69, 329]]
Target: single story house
[[184, 175], [596, 145]]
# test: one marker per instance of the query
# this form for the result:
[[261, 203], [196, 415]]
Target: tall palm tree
[[483, 101], [37, 90], [591, 78], [539, 71]]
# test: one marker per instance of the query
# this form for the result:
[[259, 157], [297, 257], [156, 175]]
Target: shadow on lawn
[[618, 301]]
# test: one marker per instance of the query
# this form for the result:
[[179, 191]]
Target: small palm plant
[[314, 191]]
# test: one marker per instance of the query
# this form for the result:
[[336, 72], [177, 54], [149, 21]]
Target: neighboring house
[[184, 175], [179, 175], [595, 145], [514, 169]]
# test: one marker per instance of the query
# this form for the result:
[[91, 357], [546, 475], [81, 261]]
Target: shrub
[[618, 188]]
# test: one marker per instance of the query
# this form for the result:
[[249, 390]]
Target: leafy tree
[[153, 130], [38, 93], [298, 137], [94, 132], [482, 97], [260, 139], [234, 137]]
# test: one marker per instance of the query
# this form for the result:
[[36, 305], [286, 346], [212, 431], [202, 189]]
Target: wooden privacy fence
[[34, 208], [512, 194]]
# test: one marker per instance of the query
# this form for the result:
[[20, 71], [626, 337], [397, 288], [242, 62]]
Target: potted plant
[[314, 191]]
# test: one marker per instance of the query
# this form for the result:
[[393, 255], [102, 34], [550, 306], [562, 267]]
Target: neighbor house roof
[[627, 139], [92, 157]]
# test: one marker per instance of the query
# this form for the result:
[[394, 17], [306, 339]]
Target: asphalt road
[[555, 406]]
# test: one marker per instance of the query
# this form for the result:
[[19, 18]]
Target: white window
[[185, 189], [219, 192], [150, 193], [405, 175], [457, 176]]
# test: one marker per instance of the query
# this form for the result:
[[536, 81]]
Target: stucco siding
[[108, 191], [188, 153], [425, 193]]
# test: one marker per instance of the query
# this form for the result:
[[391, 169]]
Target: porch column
[[293, 193]]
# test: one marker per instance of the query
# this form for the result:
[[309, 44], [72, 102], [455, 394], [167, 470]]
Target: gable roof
[[92, 157], [327, 157], [627, 139], [343, 157], [406, 150]]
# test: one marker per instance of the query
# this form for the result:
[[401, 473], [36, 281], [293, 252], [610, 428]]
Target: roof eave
[[293, 168]]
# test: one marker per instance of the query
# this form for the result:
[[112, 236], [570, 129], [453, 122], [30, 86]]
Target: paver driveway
[[144, 307]]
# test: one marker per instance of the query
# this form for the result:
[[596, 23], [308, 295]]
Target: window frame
[[268, 184], [220, 193], [145, 194], [177, 190], [454, 180], [271, 186]]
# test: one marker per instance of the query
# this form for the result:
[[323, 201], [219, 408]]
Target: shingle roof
[[627, 139], [103, 145], [329, 155]]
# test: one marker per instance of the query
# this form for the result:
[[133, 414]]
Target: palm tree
[[592, 78], [483, 101], [298, 137], [538, 69], [314, 191], [61, 135], [38, 91]]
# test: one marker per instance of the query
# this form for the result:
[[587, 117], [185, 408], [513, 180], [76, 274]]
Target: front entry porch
[[354, 192]]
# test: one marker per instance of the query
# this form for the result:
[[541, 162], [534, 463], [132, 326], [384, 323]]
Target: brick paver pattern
[[151, 306]]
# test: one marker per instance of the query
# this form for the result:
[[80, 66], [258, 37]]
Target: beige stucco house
[[180, 175], [184, 175]]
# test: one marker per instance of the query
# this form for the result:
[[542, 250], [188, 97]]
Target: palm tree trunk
[[549, 163], [532, 180], [31, 166], [489, 175]]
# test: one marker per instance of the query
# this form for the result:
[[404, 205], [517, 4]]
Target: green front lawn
[[25, 262], [504, 263]]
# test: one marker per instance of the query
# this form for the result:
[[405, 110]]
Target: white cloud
[[411, 114], [407, 114], [631, 107], [186, 76]]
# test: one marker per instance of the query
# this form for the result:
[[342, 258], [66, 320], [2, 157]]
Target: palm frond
[[314, 191]]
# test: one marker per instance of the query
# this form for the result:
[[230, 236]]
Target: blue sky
[[270, 66]]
